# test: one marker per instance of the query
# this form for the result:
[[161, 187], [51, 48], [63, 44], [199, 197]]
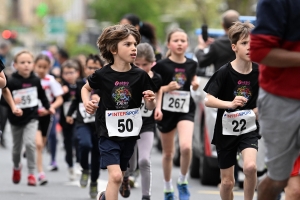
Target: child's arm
[[42, 96], [195, 83], [173, 85], [8, 97], [149, 98], [213, 102], [255, 110], [58, 102], [90, 105], [158, 114], [2, 80]]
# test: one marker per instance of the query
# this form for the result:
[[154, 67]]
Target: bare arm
[[282, 58], [158, 114], [213, 102], [149, 98], [10, 101], [2, 80], [90, 105], [58, 102]]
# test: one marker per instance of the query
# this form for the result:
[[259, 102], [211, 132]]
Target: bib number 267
[[176, 103], [125, 125]]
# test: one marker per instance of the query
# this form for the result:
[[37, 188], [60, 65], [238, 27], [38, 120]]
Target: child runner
[[85, 130], [145, 59], [233, 89], [118, 118], [53, 90], [70, 72], [26, 90], [178, 107]]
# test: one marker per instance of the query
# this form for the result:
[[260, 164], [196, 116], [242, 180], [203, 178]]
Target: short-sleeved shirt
[[225, 85], [182, 73], [118, 91]]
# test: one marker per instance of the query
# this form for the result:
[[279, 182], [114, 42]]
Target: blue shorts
[[115, 152]]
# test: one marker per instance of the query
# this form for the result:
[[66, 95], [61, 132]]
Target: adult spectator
[[275, 43]]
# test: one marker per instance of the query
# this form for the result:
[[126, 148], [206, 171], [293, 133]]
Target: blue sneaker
[[169, 196], [183, 191]]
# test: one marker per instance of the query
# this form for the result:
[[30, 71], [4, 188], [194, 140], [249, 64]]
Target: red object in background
[[6, 34]]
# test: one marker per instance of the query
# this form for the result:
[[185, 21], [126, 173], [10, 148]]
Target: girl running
[[178, 108]]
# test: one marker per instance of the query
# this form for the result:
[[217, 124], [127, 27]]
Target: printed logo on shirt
[[122, 113], [239, 114], [121, 94], [179, 76], [26, 85], [244, 91]]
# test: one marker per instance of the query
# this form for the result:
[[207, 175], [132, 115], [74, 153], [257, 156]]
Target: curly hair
[[111, 36]]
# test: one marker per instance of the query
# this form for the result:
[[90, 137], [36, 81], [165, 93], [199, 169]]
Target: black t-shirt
[[118, 91], [182, 73], [149, 122], [1, 66], [68, 98], [225, 85]]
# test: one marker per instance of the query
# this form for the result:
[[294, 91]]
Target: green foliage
[[83, 49]]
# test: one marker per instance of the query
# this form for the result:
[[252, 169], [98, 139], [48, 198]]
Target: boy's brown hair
[[111, 36], [239, 31]]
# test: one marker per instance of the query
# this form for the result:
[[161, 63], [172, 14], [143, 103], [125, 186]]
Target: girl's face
[[178, 43], [91, 67], [24, 64], [142, 63], [70, 75], [41, 68]]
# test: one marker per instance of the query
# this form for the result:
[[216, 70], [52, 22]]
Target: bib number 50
[[125, 125]]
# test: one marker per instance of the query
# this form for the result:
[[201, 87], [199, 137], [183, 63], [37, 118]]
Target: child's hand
[[91, 106], [52, 110], [158, 115], [69, 120], [65, 89], [149, 95], [43, 112], [238, 101], [95, 97], [195, 84], [18, 112], [173, 85]]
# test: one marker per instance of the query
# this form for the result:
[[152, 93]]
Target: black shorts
[[115, 153], [171, 119], [227, 157], [45, 124]]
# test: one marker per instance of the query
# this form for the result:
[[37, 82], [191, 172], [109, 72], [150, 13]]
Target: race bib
[[144, 111], [123, 123], [28, 97], [177, 101], [87, 118], [238, 122], [66, 107]]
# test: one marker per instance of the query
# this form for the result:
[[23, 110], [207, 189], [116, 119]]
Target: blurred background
[[75, 25]]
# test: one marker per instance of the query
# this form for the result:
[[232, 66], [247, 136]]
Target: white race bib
[[177, 101], [123, 123], [28, 97], [87, 118], [66, 107], [238, 122], [144, 111]]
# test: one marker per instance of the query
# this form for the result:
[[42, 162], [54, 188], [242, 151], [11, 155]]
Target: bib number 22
[[236, 124], [125, 125]]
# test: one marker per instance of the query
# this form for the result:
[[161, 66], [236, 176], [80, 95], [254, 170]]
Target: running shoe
[[169, 196], [31, 180], [84, 178], [42, 179], [183, 191], [53, 167], [145, 197], [16, 175], [93, 190], [101, 196], [72, 175], [125, 188]]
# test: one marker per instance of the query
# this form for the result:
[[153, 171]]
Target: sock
[[182, 179], [168, 186]]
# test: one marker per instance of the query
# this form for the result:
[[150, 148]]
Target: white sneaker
[[72, 175], [77, 169]]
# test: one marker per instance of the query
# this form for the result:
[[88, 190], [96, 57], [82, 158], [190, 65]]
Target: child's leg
[[115, 177], [249, 168], [29, 141], [17, 134], [68, 145], [185, 132], [95, 160], [227, 183], [39, 150], [53, 140], [144, 146], [84, 133]]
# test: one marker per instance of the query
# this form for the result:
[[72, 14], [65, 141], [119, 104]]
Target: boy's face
[[126, 51], [91, 67], [41, 68], [242, 48], [24, 64], [70, 75]]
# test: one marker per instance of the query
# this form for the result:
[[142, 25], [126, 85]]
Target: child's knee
[[227, 184], [144, 163], [116, 177], [249, 168]]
